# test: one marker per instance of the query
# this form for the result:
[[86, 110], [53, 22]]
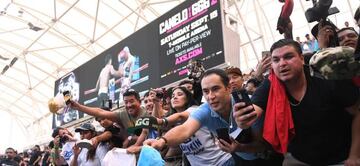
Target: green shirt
[[126, 119]]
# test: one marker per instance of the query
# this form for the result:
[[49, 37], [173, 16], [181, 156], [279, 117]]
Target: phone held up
[[265, 54], [223, 133], [242, 96]]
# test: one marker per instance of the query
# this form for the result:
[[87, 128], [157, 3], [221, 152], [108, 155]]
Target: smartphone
[[242, 96], [223, 133], [265, 54]]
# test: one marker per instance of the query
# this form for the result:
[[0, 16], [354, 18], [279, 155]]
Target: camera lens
[[159, 95], [63, 139]]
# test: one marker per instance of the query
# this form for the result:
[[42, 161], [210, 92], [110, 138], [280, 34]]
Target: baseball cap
[[315, 29], [85, 127], [234, 70], [148, 122]]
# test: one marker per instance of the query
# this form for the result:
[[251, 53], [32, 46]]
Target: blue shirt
[[153, 134], [212, 120]]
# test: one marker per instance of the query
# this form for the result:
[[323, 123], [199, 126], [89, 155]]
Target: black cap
[[315, 29], [85, 127], [148, 122]]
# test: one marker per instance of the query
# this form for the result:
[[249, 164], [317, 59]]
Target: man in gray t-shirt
[[126, 117]]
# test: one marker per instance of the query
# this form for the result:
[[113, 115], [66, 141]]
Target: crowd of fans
[[295, 118]]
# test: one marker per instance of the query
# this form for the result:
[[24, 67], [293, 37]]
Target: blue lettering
[[67, 154]]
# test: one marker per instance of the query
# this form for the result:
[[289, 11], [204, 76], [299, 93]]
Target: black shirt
[[7, 162], [34, 156], [322, 126]]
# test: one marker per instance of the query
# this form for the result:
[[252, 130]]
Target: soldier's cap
[[335, 63]]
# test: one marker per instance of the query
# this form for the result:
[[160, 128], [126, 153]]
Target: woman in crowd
[[200, 149]]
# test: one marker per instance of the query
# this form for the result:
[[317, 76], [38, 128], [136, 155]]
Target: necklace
[[298, 103], [295, 104]]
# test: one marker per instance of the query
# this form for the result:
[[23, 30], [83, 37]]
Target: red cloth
[[278, 125], [287, 9]]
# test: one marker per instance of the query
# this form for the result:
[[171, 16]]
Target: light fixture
[[5, 69], [13, 61], [20, 12], [33, 27]]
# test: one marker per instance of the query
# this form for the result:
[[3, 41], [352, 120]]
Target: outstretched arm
[[176, 135], [174, 118], [94, 111], [105, 136]]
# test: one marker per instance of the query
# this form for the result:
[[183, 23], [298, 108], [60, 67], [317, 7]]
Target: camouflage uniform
[[335, 63]]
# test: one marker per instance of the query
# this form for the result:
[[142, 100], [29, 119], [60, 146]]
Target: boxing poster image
[[68, 83], [191, 31], [116, 77]]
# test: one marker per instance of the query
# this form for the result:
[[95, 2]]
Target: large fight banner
[[105, 77], [190, 31], [154, 56]]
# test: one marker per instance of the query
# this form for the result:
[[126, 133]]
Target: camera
[[320, 10], [159, 95], [63, 139]]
